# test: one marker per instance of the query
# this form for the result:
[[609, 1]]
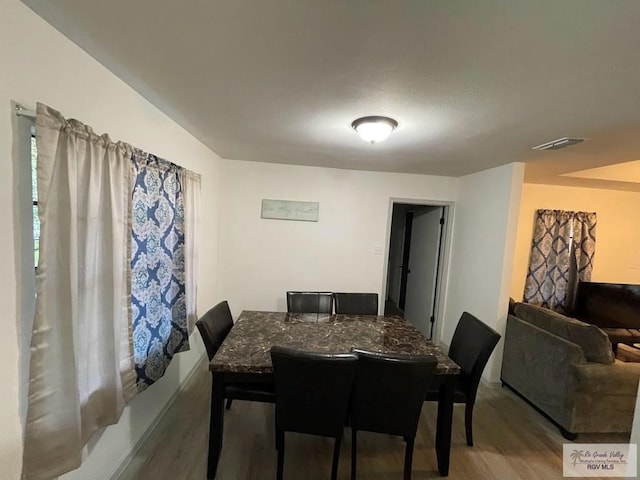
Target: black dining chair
[[214, 327], [312, 396], [471, 346], [356, 303], [387, 397], [310, 302]]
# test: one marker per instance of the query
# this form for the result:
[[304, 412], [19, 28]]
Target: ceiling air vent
[[558, 143]]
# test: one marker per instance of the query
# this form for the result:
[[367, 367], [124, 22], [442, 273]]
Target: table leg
[[443, 428], [216, 424]]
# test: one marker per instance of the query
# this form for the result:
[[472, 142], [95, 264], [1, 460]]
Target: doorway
[[414, 263]]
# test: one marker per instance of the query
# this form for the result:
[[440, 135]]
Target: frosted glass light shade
[[374, 129]]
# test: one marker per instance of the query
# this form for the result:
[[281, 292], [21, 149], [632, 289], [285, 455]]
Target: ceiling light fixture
[[374, 129]]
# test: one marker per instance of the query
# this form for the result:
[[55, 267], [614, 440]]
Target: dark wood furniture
[[356, 303], [614, 307], [310, 302], [471, 346], [312, 396], [628, 353], [244, 357], [387, 397]]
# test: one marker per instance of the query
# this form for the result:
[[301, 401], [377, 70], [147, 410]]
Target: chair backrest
[[356, 303], [389, 391], [471, 346], [312, 390], [310, 302], [214, 327]]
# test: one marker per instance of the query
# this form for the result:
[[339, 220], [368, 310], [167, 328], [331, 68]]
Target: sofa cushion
[[594, 342]]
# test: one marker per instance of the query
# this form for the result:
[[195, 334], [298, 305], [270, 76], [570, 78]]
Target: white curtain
[[191, 188], [82, 370]]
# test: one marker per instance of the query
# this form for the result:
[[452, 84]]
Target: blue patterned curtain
[[550, 281], [584, 239], [159, 314]]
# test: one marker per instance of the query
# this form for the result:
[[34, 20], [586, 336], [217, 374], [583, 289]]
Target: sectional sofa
[[566, 369]]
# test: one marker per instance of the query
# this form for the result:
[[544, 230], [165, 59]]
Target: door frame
[[444, 260], [406, 250]]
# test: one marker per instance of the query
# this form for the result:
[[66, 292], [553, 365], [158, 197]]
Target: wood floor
[[512, 441]]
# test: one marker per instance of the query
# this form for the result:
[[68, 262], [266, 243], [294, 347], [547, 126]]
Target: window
[[34, 196]]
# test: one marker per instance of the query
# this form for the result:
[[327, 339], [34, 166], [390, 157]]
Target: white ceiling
[[472, 84]]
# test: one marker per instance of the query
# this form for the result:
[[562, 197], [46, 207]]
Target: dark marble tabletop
[[246, 348]]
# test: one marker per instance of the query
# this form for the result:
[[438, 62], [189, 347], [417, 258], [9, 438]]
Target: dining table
[[244, 357]]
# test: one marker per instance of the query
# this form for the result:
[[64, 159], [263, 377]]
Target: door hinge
[[442, 221], [432, 319]]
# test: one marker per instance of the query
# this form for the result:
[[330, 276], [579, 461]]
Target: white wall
[[484, 232], [617, 258], [39, 64], [262, 259], [635, 430]]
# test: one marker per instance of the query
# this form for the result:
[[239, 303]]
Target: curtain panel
[[584, 239], [561, 239], [191, 186], [115, 285], [81, 366], [159, 310]]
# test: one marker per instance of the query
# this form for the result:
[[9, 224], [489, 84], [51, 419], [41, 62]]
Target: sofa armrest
[[536, 363], [527, 346], [596, 378], [605, 397]]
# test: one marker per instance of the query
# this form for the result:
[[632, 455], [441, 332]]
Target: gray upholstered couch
[[566, 369]]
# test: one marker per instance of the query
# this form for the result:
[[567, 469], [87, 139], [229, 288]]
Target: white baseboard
[[126, 461], [491, 384]]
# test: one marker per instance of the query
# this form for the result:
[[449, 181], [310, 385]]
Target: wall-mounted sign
[[290, 210]]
